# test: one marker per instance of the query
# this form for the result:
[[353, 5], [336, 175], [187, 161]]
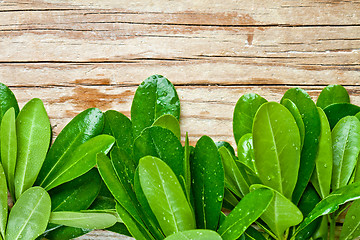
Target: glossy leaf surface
[[297, 116], [321, 177], [33, 139], [351, 227], [277, 146], [3, 202], [156, 96], [7, 101], [83, 220], [30, 215], [244, 112], [337, 111], [65, 233], [250, 208], [165, 196], [170, 122], [281, 213], [245, 151], [346, 149], [8, 142], [208, 182], [84, 126], [198, 234], [227, 145], [311, 119], [233, 176], [120, 127], [332, 202], [332, 94], [162, 143], [82, 160]]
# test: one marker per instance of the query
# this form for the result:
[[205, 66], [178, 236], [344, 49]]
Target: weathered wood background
[[83, 53]]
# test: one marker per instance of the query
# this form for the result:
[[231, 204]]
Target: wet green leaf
[[281, 213], [65, 233], [321, 177], [83, 127], [250, 208], [311, 119], [30, 215], [8, 141], [83, 220], [244, 113], [245, 151], [7, 101], [351, 227], [227, 145], [208, 182], [337, 111], [82, 160], [170, 122], [198, 234], [33, 140], [297, 116], [156, 96], [346, 149], [332, 94], [165, 196], [3, 202], [276, 142]]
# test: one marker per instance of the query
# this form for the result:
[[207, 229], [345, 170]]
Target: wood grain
[[79, 54]]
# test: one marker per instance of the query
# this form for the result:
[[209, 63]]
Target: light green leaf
[[276, 142], [156, 96], [33, 139], [30, 215], [351, 227], [346, 149], [7, 101], [198, 234], [281, 213], [83, 220], [208, 183], [9, 147], [250, 208], [170, 122], [82, 160], [187, 177], [321, 177], [297, 116], [3, 202], [244, 113], [165, 196], [332, 94]]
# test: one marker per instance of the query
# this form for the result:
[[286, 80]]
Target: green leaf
[[187, 177], [276, 142], [83, 220], [33, 140], [321, 177], [77, 194], [165, 196], [332, 94], [8, 142], [250, 208], [120, 127], [162, 143], [233, 176], [82, 160], [3, 202], [198, 234], [7, 101], [65, 233], [310, 116], [323, 231], [170, 122], [332, 202], [297, 116], [30, 215], [351, 227], [123, 164], [281, 213], [227, 145], [244, 113], [346, 149], [83, 127], [208, 178], [136, 230], [155, 96], [252, 234], [337, 111], [245, 151]]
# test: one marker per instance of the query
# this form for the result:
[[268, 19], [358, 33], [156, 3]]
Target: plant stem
[[332, 220]]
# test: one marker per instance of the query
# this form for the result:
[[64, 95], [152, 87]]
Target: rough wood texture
[[94, 54]]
